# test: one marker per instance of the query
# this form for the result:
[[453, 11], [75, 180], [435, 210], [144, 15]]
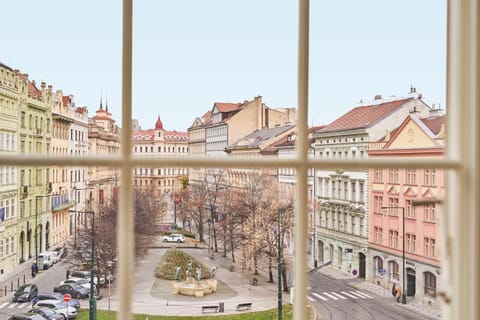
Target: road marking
[[364, 294], [338, 295], [348, 295], [3, 305], [21, 305], [319, 296], [330, 296], [358, 294], [310, 298], [12, 305]]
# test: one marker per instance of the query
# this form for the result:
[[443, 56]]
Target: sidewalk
[[151, 296], [430, 311]]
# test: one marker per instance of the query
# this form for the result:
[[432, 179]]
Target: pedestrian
[[33, 270], [399, 294], [36, 268], [394, 290]]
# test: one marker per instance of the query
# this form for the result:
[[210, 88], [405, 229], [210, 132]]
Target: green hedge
[[173, 258]]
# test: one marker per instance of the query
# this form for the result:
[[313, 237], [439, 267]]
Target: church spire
[[101, 106], [106, 102]]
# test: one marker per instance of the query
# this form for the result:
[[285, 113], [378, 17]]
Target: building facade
[[160, 142], [9, 238], [196, 144], [342, 195], [405, 209]]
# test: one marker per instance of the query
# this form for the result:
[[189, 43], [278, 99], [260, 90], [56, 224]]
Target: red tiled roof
[[65, 100], [227, 107], [434, 123], [33, 90], [149, 134], [365, 116], [207, 116], [81, 110]]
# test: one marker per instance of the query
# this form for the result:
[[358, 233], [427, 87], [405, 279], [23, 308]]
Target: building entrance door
[[411, 282], [361, 265]]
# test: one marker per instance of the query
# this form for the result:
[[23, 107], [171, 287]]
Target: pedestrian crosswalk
[[16, 305], [337, 295]]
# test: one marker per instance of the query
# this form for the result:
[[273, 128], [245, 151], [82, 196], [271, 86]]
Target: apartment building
[[159, 142], [196, 143], [405, 209], [342, 195]]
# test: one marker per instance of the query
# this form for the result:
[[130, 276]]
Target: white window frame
[[460, 253]]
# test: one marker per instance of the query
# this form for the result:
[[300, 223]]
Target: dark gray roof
[[258, 137]]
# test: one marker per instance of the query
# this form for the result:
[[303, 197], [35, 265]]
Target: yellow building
[[35, 183], [8, 174]]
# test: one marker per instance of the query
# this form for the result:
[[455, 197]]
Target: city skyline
[[187, 56]]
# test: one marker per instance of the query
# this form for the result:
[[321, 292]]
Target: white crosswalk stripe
[[3, 305], [319, 296], [330, 296], [364, 294], [11, 305], [348, 295], [21, 305], [338, 295]]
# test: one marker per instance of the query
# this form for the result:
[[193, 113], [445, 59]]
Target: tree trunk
[[284, 277], [270, 272]]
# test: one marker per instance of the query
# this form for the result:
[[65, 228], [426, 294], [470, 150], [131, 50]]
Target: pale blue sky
[[190, 53]]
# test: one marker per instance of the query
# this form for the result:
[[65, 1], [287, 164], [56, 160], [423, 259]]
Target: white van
[[45, 260]]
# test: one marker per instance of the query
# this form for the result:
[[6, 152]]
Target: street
[[335, 300]]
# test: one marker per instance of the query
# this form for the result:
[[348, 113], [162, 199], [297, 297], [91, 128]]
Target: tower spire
[[106, 102], [101, 107]]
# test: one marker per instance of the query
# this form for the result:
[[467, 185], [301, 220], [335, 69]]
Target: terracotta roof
[[256, 138], [287, 141], [207, 116], [434, 123], [364, 117], [33, 90], [149, 135], [65, 100], [81, 110], [227, 107]]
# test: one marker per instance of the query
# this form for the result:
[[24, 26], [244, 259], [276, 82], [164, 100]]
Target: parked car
[[61, 251], [45, 260], [55, 296], [174, 237], [25, 293], [83, 274], [75, 290], [83, 282], [59, 307], [55, 256], [27, 316], [47, 313]]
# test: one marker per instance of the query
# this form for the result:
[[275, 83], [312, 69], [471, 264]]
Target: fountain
[[194, 286]]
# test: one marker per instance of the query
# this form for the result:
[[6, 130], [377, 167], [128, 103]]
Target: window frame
[[460, 254]]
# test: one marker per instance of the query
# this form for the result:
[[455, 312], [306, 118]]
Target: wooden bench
[[244, 306], [212, 309]]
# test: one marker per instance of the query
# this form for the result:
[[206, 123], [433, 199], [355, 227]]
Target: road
[[335, 300]]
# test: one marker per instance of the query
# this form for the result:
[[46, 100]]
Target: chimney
[[413, 89], [435, 112], [378, 97]]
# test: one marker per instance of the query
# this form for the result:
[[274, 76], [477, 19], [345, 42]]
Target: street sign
[[382, 272], [354, 272], [67, 297]]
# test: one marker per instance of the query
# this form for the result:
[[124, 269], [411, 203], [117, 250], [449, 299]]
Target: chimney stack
[[378, 97]]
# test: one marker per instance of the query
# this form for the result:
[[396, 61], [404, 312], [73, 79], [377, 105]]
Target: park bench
[[212, 309], [244, 306], [254, 281]]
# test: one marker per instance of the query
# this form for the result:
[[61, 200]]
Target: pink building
[[410, 196]]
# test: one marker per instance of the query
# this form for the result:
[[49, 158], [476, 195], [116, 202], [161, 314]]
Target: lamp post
[[279, 262], [404, 294], [92, 301], [109, 265], [209, 222]]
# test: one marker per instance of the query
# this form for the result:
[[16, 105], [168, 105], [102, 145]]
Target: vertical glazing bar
[[460, 239], [125, 220], [301, 226]]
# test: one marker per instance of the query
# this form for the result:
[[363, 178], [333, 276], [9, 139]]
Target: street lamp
[[404, 294], [109, 265], [279, 261], [91, 300]]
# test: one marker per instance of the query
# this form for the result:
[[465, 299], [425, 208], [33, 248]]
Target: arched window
[[377, 264]]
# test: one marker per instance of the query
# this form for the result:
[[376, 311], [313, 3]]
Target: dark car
[[26, 316], [75, 290], [55, 296], [25, 293], [47, 313]]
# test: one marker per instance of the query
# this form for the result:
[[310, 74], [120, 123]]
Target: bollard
[[11, 286], [18, 282], [24, 279], [5, 290]]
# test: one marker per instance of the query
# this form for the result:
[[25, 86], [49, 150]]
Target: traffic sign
[[67, 297], [354, 272]]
